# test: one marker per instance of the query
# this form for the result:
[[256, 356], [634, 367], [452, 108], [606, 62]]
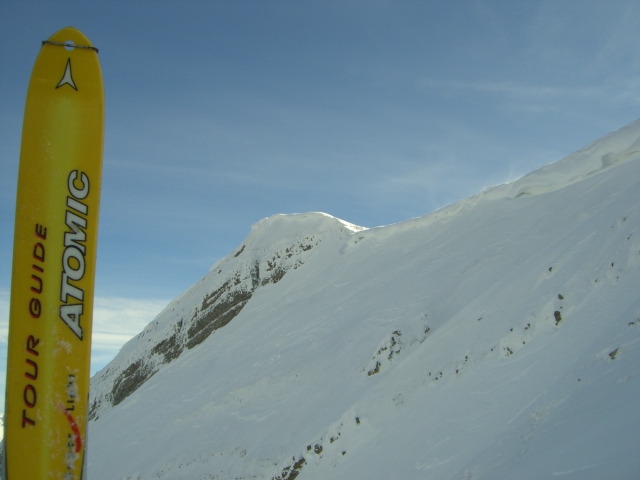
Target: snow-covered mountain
[[498, 337]]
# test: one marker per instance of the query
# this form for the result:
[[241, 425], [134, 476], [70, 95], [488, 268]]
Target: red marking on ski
[[74, 427]]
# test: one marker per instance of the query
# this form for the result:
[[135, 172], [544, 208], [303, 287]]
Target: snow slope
[[498, 337]]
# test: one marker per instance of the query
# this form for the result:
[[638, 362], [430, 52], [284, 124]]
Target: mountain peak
[[277, 230], [274, 246]]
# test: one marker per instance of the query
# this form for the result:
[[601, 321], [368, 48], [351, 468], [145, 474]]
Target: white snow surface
[[496, 338]]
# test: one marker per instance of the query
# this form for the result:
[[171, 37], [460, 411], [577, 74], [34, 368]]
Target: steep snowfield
[[496, 338]]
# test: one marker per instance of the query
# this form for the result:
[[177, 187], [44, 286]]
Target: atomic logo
[[67, 79]]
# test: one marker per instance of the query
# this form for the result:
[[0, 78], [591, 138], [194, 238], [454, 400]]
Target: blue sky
[[221, 113]]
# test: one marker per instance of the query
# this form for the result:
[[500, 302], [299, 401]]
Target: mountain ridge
[[461, 344]]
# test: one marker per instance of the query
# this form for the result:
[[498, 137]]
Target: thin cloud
[[115, 322], [616, 90]]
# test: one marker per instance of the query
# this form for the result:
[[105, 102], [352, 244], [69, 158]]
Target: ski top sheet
[[54, 256]]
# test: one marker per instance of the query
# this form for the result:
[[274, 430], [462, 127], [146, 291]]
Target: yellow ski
[[54, 256]]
